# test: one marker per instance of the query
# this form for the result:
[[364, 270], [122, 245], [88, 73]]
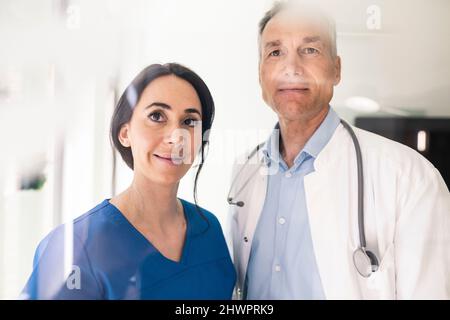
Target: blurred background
[[64, 63]]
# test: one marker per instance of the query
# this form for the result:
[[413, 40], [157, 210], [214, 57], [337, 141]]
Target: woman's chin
[[163, 179], [166, 176]]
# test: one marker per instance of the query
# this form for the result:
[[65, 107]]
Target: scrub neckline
[[183, 258]]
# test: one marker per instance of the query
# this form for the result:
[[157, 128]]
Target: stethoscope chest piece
[[365, 262]]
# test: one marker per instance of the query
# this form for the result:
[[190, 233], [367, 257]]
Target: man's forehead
[[285, 22], [278, 28]]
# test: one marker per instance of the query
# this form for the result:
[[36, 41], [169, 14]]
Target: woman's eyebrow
[[159, 104], [166, 106], [192, 110]]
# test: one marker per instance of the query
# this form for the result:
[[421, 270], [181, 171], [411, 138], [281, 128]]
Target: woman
[[145, 243]]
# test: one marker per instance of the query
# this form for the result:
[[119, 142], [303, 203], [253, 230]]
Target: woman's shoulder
[[205, 229], [68, 240], [205, 225], [100, 217], [194, 208], [101, 213]]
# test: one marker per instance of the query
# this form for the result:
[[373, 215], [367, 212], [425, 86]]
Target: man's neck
[[294, 134]]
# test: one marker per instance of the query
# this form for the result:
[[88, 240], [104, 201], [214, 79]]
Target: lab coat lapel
[[331, 211], [254, 196]]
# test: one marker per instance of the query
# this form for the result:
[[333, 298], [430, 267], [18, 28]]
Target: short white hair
[[303, 9]]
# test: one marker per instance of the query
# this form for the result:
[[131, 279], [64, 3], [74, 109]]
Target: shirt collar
[[323, 134], [314, 145]]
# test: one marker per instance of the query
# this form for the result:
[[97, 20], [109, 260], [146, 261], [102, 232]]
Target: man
[[294, 200]]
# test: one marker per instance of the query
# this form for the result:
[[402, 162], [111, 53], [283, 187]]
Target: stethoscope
[[365, 261]]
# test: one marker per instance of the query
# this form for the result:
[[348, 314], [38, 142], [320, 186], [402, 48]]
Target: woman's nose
[[176, 136]]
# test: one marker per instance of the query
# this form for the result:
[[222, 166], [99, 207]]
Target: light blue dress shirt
[[282, 262]]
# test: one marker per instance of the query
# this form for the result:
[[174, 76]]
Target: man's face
[[297, 70]]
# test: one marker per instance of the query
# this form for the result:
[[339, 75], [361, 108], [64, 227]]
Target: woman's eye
[[156, 116], [310, 51], [191, 122], [275, 53]]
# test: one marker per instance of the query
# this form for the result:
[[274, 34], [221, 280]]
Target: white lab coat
[[407, 219]]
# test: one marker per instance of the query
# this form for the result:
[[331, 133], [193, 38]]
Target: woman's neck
[[150, 203]]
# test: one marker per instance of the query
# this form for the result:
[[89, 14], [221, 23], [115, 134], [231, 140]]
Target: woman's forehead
[[172, 90]]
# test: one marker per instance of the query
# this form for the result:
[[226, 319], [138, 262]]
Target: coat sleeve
[[422, 237]]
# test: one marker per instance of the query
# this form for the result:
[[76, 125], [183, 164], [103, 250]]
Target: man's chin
[[293, 109]]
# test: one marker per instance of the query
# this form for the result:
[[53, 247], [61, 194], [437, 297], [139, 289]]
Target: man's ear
[[124, 135], [337, 70], [259, 71]]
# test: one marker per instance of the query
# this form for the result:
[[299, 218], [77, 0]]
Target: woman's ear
[[123, 135]]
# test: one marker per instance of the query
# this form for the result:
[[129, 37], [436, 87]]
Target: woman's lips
[[169, 160]]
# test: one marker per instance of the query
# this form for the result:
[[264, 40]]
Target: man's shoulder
[[393, 154]]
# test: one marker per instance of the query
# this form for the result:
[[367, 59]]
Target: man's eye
[[191, 122], [310, 51], [155, 116], [275, 53]]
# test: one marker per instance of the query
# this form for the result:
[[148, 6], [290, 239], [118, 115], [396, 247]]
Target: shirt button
[[277, 268], [288, 175], [282, 220]]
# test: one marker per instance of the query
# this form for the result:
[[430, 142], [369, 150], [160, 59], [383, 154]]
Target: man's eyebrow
[[274, 43], [312, 39], [166, 106], [309, 39]]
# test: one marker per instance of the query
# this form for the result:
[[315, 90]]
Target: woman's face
[[165, 130]]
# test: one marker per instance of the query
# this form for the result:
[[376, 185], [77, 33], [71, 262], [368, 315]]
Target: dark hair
[[127, 102]]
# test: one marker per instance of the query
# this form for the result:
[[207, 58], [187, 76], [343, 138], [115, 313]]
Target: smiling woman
[[145, 243]]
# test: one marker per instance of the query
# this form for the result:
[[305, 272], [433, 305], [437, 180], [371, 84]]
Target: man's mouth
[[300, 89]]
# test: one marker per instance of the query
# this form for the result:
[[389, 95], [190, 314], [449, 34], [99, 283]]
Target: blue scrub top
[[112, 260]]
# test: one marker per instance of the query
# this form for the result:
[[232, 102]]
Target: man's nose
[[293, 65]]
